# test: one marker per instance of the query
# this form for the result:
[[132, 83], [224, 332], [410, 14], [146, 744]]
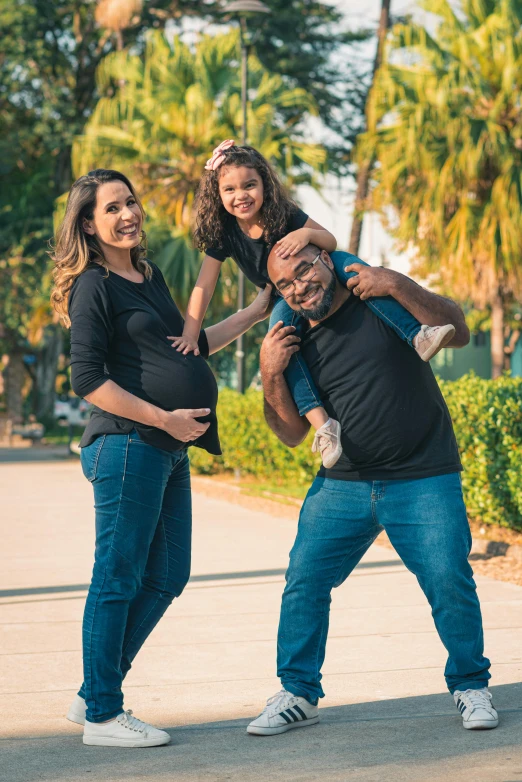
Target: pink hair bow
[[218, 155]]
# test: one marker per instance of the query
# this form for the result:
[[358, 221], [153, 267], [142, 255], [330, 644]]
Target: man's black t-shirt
[[251, 255], [394, 420], [119, 331]]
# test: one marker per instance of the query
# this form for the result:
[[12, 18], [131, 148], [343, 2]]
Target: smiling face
[[241, 191], [117, 217], [312, 298]]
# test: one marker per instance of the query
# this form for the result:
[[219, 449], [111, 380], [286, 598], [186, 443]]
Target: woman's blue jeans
[[143, 509], [297, 375], [427, 525]]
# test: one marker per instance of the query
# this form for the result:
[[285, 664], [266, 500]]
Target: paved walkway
[[209, 666]]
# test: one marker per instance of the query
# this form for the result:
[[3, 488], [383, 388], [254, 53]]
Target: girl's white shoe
[[431, 339], [327, 441]]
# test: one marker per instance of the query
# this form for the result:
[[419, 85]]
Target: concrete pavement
[[210, 664]]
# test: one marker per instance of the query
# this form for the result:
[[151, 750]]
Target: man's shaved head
[[278, 264]]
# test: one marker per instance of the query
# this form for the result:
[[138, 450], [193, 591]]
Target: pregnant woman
[[150, 403]]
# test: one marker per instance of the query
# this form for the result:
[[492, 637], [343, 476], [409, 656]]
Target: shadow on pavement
[[407, 739], [50, 590]]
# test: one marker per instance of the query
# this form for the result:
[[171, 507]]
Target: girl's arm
[[310, 233], [222, 334], [197, 306]]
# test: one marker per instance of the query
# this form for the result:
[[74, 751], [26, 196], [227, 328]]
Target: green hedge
[[487, 415]]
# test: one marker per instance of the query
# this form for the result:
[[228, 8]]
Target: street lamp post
[[242, 9]]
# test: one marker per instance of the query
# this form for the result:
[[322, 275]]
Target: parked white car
[[71, 411]]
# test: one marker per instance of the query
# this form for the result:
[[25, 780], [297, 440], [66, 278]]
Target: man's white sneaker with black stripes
[[283, 712], [476, 708]]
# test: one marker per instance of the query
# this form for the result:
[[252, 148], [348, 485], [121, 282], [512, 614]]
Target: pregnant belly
[[180, 382]]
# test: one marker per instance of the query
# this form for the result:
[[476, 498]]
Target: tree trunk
[[14, 375], [365, 169], [359, 207], [46, 369], [512, 341], [497, 335]]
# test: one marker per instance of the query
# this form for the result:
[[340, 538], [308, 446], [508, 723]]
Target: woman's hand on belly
[[182, 424]]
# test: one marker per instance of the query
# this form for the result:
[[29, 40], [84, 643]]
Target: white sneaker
[[77, 710], [476, 708], [431, 339], [124, 731], [283, 712], [327, 441]]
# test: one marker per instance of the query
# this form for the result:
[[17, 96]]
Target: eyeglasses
[[305, 275]]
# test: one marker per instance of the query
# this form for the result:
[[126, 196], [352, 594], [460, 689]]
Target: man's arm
[[427, 307], [281, 412]]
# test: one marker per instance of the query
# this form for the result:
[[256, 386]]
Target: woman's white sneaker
[[283, 712], [124, 731], [77, 710], [476, 708]]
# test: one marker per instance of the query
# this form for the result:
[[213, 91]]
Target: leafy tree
[[176, 104], [49, 53], [446, 127]]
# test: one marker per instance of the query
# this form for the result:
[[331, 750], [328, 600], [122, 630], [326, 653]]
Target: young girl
[[242, 210]]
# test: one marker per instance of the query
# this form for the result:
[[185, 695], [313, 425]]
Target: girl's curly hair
[[211, 216]]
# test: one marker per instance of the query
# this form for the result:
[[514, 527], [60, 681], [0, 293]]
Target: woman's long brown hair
[[211, 218], [74, 249]]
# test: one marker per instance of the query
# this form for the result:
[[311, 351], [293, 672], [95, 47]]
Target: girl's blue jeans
[[297, 374], [142, 558], [427, 524]]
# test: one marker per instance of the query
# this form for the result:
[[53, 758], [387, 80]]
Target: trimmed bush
[[250, 445], [487, 415]]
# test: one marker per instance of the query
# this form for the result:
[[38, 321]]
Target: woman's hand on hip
[[182, 424]]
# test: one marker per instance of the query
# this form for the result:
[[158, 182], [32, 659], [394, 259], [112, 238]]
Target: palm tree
[[446, 123], [177, 103]]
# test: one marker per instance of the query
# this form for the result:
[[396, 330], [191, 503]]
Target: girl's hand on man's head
[[292, 243]]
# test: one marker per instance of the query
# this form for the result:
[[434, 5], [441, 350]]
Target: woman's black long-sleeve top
[[119, 332]]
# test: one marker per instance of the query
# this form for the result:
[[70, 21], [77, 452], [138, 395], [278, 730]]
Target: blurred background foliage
[[153, 87], [59, 65], [444, 124]]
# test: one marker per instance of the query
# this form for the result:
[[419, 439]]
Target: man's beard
[[323, 308]]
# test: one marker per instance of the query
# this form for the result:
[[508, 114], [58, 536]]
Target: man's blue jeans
[[142, 558], [426, 522], [297, 375]]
